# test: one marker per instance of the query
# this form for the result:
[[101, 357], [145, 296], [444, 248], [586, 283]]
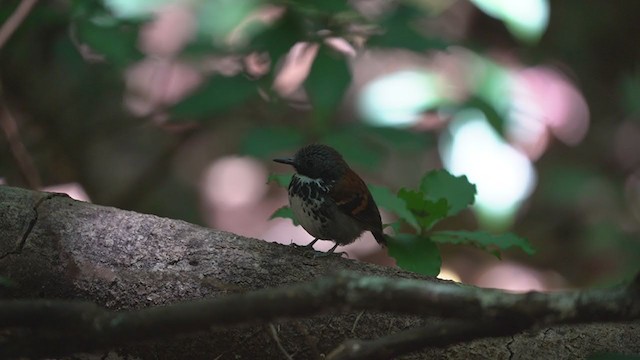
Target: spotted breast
[[307, 199], [318, 214]]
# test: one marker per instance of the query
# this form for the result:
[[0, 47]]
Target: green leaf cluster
[[116, 42], [440, 195], [327, 82], [398, 31]]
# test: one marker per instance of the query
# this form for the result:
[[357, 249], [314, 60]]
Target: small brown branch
[[13, 22], [436, 334], [89, 327], [23, 159], [274, 335]]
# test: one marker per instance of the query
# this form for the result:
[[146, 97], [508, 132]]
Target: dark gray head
[[317, 162]]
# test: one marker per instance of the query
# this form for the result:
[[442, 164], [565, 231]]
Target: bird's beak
[[288, 161]]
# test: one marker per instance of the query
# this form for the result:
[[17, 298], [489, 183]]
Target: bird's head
[[317, 161]]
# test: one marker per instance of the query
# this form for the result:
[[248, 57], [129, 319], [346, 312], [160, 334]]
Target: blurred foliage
[[219, 94], [64, 72], [631, 93], [116, 42], [326, 83], [282, 180], [399, 30], [262, 142]]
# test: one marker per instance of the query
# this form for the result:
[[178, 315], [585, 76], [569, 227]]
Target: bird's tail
[[380, 237]]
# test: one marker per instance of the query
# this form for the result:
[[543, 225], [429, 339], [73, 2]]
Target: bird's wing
[[354, 199]]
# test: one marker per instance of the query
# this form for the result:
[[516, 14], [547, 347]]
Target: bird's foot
[[310, 252], [319, 254], [308, 249], [308, 246], [331, 252]]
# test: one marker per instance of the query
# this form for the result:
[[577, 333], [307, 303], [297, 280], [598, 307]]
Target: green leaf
[[399, 139], [127, 9], [427, 212], [327, 82], [262, 142], [281, 179], [495, 119], [86, 8], [387, 200], [456, 190], [484, 240], [219, 94], [399, 32], [415, 253], [563, 184], [117, 43], [396, 226], [354, 148], [285, 213], [278, 39], [324, 6], [630, 90], [331, 6], [219, 18]]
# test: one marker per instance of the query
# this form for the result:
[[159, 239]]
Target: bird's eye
[[308, 163]]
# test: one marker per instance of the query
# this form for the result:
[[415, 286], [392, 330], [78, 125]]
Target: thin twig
[[355, 322], [8, 123], [276, 338], [436, 334], [311, 341], [26, 167], [237, 345], [13, 22]]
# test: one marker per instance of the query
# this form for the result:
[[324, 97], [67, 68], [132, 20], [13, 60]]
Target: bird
[[329, 199]]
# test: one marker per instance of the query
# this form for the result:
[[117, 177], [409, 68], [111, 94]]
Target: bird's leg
[[308, 249], [330, 252], [309, 245], [311, 252], [332, 249]]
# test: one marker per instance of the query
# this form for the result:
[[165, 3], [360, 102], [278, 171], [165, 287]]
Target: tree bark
[[52, 247]]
